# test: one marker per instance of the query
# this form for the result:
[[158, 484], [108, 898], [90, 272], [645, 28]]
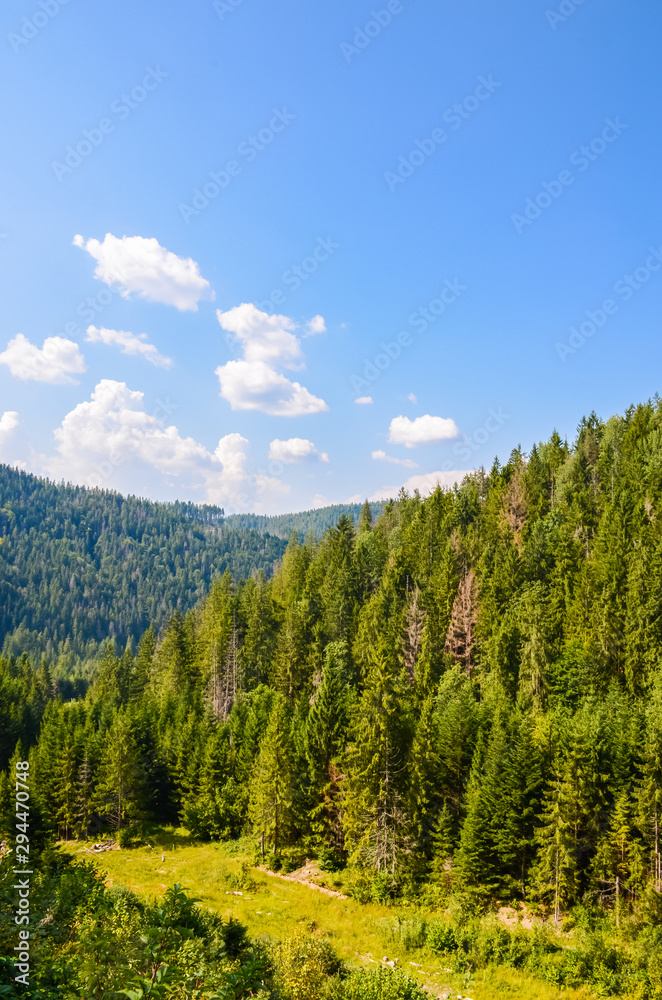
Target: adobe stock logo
[[566, 9], [122, 107], [454, 117], [31, 26], [624, 289], [582, 159], [363, 37]]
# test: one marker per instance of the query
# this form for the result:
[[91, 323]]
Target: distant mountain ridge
[[317, 520], [79, 566]]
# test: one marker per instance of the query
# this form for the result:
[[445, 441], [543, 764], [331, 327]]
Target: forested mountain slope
[[463, 699], [78, 566], [317, 521]]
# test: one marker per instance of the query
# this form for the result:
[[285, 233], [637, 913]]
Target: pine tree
[[650, 784], [365, 518], [85, 795], [324, 739], [142, 667], [617, 862], [375, 820], [120, 792], [272, 787]]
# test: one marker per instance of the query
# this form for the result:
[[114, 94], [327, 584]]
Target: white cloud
[[422, 430], [263, 337], [141, 265], [412, 398], [381, 456], [364, 400], [256, 386], [55, 361], [319, 500], [316, 325], [425, 484], [8, 421], [253, 383], [295, 450], [128, 343], [111, 441]]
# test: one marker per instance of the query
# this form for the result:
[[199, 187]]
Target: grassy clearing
[[279, 908]]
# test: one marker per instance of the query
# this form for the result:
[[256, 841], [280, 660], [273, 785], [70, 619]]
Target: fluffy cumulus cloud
[[425, 484], [9, 421], [141, 266], [295, 450], [364, 400], [263, 337], [110, 440], [56, 361], [268, 342], [316, 325], [128, 343], [381, 456], [422, 430]]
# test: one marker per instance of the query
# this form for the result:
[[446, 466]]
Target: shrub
[[130, 836], [406, 932], [358, 886], [440, 937], [291, 859], [303, 966], [381, 984], [243, 879], [331, 860], [382, 887]]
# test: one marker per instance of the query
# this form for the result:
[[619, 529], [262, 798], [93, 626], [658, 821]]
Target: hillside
[[317, 521], [78, 566], [455, 707]]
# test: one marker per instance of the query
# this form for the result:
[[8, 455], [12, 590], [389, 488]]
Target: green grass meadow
[[277, 908]]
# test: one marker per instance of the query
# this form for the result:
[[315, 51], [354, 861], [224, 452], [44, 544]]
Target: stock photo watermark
[[296, 274], [223, 7], [454, 117], [365, 35], [419, 321], [21, 958], [105, 469], [120, 108], [479, 437], [88, 309], [596, 319], [31, 26], [582, 159], [248, 150], [565, 10]]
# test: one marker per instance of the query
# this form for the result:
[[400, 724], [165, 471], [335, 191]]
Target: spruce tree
[[121, 792], [272, 786]]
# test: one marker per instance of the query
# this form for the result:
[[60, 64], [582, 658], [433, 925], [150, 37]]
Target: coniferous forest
[[457, 704]]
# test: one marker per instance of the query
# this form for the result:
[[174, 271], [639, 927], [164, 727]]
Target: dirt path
[[304, 876]]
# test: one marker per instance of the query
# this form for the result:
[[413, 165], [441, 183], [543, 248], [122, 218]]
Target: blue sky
[[464, 183]]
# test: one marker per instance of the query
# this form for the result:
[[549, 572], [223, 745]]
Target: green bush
[[304, 967], [440, 937], [381, 984], [331, 860], [243, 879], [382, 887], [409, 933], [291, 859]]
